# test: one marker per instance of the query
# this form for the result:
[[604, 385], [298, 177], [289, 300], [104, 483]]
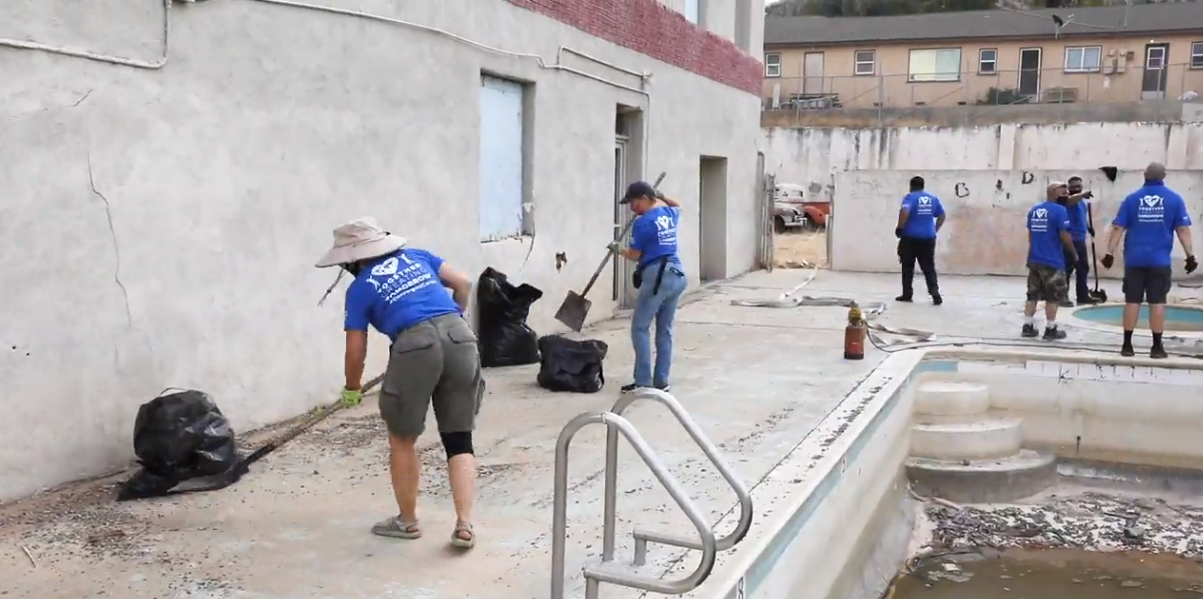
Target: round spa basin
[[1177, 318]]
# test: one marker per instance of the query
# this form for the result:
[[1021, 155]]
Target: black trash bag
[[180, 437], [502, 308], [574, 366]]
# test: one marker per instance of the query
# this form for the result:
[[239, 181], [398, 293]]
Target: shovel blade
[[573, 311]]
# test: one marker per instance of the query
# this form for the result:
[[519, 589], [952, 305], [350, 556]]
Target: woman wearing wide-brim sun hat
[[400, 291]]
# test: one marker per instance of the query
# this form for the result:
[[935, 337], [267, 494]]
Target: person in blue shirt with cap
[[658, 276], [1050, 245], [1079, 226], [1147, 220], [919, 220]]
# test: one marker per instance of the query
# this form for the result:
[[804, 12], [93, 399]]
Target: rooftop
[[1143, 19]]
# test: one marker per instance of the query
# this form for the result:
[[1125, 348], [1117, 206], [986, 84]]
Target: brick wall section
[[651, 28]]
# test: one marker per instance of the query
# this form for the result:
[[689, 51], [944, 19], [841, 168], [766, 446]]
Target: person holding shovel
[[1147, 220], [402, 292], [1077, 204], [658, 276]]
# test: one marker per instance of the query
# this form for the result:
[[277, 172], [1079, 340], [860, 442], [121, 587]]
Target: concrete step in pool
[[998, 480], [983, 439], [947, 398]]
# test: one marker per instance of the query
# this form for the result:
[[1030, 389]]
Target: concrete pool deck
[[755, 379]]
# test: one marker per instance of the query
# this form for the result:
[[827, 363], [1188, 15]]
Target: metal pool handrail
[[643, 536], [595, 575]]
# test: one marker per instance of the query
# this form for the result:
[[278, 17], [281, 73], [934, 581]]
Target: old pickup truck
[[793, 208]]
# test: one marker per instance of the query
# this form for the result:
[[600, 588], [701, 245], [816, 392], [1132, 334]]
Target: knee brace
[[457, 443]]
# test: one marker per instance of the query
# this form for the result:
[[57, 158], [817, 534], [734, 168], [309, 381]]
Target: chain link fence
[[1000, 88]]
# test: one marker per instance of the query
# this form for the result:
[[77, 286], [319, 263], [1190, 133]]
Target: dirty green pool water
[[1057, 575]]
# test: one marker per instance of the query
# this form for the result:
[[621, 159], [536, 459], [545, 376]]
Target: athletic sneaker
[[665, 387], [1158, 353], [633, 387], [904, 298], [1127, 351], [937, 299], [1066, 303], [1029, 330], [1053, 334]]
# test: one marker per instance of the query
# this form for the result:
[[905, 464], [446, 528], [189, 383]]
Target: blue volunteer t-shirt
[[1045, 223], [1078, 221], [397, 291], [922, 210], [654, 235], [1150, 215]]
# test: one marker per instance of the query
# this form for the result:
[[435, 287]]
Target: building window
[[502, 164], [938, 64], [1085, 59], [1196, 55], [693, 11], [987, 61], [772, 65], [866, 61]]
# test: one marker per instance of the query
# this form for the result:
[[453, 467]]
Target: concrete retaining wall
[[813, 155], [985, 231]]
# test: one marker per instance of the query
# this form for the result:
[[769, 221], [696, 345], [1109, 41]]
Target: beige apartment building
[[1104, 54]]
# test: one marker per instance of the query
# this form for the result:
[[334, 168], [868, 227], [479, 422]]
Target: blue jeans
[[663, 307]]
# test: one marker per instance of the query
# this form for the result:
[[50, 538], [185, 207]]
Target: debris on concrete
[[1089, 521]]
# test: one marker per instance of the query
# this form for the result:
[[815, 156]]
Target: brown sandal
[[395, 528], [463, 537]]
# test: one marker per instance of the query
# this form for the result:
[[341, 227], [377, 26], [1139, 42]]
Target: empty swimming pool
[[1177, 318]]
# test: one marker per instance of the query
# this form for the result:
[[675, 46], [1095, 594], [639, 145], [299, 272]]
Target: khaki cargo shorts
[[433, 362]]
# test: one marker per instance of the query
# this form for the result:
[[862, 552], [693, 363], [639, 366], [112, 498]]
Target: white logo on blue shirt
[[397, 281], [666, 230], [1039, 221], [924, 205], [1151, 209]]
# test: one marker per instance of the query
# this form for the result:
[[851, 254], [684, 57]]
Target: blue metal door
[[501, 133]]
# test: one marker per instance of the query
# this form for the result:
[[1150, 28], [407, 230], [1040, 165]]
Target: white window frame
[[1082, 67], [1196, 55], [772, 68], [857, 63], [981, 60], [933, 76], [693, 11]]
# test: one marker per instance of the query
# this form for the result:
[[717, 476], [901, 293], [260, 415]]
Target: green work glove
[[351, 397]]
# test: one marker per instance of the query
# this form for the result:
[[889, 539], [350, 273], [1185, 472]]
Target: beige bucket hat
[[360, 239]]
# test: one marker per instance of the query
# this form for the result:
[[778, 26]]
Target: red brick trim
[[651, 28]]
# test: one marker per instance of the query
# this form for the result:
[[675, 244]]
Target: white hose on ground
[[870, 311]]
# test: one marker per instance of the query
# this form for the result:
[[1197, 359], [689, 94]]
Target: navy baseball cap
[[637, 190]]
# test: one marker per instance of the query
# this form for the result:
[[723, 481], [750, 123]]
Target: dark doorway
[[1156, 60], [1029, 72]]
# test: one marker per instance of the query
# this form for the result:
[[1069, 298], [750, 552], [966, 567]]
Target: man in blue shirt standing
[[1079, 226], [1049, 244], [659, 277], [919, 219], [402, 292], [1147, 220]]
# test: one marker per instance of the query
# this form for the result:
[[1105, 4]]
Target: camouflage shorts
[[1047, 284]]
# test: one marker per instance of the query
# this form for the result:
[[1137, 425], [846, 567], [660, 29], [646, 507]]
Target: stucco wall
[[158, 227], [985, 230], [814, 155]]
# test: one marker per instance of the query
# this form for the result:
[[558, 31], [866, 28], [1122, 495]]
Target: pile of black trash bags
[[506, 340], [178, 437]]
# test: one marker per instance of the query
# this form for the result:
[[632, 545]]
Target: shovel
[[575, 307], [1099, 295]]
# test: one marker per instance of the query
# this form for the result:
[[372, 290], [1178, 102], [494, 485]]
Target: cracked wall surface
[[158, 228]]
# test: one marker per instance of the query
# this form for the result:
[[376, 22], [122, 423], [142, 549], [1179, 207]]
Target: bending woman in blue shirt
[[659, 277], [402, 293]]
